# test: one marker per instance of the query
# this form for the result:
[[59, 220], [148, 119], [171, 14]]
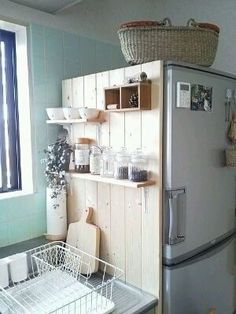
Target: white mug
[[18, 267], [4, 275]]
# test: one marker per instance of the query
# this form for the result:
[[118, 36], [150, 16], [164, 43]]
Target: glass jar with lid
[[82, 155], [95, 159], [138, 167], [121, 164], [107, 164]]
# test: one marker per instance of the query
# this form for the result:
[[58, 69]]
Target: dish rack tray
[[59, 280]]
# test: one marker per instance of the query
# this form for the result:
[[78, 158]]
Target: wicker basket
[[146, 41], [230, 156]]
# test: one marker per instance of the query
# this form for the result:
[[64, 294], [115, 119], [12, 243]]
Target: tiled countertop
[[128, 299]]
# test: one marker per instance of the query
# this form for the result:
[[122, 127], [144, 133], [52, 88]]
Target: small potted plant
[[57, 163]]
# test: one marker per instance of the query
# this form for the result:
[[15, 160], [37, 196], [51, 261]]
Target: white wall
[[23, 15], [107, 15], [100, 19]]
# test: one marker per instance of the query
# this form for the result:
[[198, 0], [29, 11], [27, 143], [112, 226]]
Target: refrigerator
[[199, 242]]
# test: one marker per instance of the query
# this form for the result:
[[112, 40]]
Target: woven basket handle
[[206, 26], [192, 22], [166, 22]]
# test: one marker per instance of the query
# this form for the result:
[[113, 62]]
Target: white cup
[[18, 267], [4, 275]]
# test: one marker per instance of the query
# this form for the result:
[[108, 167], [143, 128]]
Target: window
[[10, 170], [16, 177]]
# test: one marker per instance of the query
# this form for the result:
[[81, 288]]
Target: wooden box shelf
[[120, 95], [112, 96]]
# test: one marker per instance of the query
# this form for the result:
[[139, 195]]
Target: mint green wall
[[55, 55]]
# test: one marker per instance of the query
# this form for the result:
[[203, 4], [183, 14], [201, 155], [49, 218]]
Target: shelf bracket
[[145, 197], [68, 128]]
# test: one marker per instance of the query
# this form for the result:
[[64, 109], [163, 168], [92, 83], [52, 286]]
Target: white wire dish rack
[[59, 280]]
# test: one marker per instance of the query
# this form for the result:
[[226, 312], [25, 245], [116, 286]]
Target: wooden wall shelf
[[120, 95], [75, 121], [98, 178]]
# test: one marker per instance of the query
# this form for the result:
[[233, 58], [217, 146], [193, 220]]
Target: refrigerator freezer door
[[207, 282], [194, 143]]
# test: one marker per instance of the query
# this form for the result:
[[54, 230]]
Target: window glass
[[10, 173]]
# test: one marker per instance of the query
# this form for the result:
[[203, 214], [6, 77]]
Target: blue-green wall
[[55, 55]]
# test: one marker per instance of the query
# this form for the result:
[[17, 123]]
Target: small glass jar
[[121, 164], [95, 160], [82, 155], [138, 167], [107, 164]]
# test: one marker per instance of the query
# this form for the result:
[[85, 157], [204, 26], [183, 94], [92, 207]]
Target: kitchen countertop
[[127, 299]]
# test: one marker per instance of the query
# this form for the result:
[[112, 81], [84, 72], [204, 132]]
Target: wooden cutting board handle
[[87, 215]]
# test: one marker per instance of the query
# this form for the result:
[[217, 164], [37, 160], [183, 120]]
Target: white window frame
[[23, 110]]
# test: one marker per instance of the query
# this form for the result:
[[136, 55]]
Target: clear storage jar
[[107, 164], [121, 164], [95, 160], [138, 167], [82, 155]]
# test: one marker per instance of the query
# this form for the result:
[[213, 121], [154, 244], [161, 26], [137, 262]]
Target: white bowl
[[55, 113], [88, 113], [71, 113]]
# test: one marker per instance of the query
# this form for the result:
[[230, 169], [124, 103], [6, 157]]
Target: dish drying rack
[[60, 281]]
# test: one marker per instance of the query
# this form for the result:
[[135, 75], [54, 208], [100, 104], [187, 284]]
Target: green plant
[[57, 162]]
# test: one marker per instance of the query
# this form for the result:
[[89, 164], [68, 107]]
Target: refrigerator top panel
[[199, 196]]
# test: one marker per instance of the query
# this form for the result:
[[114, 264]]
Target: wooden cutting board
[[86, 237]]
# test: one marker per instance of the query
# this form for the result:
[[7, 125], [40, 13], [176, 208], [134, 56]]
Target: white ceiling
[[48, 6]]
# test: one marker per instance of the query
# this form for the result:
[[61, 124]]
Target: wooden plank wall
[[131, 236]]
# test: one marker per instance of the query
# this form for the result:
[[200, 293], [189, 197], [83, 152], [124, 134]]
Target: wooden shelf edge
[[75, 121], [147, 82], [126, 109], [98, 178]]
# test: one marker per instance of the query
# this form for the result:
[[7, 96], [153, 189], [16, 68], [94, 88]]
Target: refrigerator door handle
[[176, 215]]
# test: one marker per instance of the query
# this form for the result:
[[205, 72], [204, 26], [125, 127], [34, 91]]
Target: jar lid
[[122, 153], [82, 140], [96, 149], [138, 154]]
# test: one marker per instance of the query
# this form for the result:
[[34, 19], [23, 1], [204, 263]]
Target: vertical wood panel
[[133, 241], [78, 101], [102, 82], [117, 119], [90, 131], [117, 247], [133, 206], [76, 199], [67, 93], [117, 77], [133, 130], [103, 219], [90, 101], [151, 220], [91, 189], [78, 92], [90, 91]]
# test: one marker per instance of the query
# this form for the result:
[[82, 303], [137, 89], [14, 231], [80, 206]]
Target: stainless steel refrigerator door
[[207, 282], [194, 143]]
